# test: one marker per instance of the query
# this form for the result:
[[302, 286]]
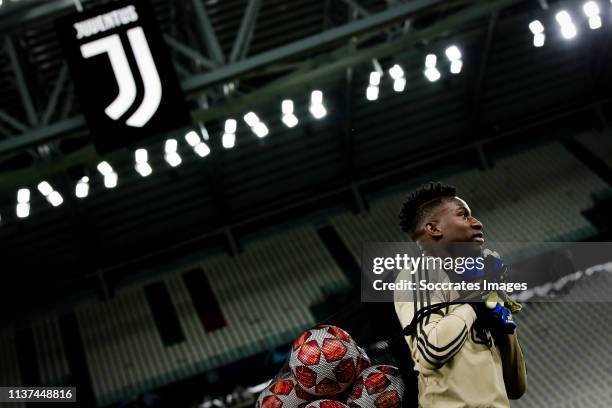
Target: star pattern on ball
[[324, 360]]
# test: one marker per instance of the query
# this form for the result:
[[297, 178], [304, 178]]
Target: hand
[[504, 318], [494, 314]]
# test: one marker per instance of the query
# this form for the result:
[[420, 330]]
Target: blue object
[[505, 317]]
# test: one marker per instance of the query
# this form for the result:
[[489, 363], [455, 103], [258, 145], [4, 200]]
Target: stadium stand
[[264, 294], [9, 374], [567, 349], [262, 302], [50, 354], [525, 197]]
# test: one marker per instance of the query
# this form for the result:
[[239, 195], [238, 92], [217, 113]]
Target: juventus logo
[[126, 97]]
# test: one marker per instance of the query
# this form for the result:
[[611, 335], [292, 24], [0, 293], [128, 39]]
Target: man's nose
[[476, 224]]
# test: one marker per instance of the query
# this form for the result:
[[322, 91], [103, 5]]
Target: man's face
[[456, 224]]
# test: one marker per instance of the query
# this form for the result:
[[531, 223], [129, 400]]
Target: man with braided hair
[[462, 359]]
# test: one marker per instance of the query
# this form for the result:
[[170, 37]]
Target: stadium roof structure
[[236, 56]]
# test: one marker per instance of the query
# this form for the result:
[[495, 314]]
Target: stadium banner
[[469, 272], [123, 75]]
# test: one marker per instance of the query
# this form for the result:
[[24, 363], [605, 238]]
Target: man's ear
[[431, 228]]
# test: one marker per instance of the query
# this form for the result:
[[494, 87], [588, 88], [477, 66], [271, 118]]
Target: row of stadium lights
[[431, 72], [171, 156], [317, 110], [566, 24]]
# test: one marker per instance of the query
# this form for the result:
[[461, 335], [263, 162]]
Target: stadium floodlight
[[591, 9], [375, 78], [568, 29], [110, 177], [104, 168], [372, 90], [372, 93], [82, 187], [173, 159], [192, 138], [318, 111], [52, 196], [432, 74], [260, 130], [230, 126], [23, 203], [170, 146], [23, 195], [287, 106], [144, 169], [141, 156], [538, 40], [536, 27], [142, 166], [110, 180], [201, 149], [563, 17], [228, 140], [396, 72], [399, 81], [55, 199], [453, 53], [289, 118], [454, 56], [316, 108], [23, 210], [45, 188], [251, 119], [456, 66], [399, 84], [257, 126], [430, 61], [170, 153]]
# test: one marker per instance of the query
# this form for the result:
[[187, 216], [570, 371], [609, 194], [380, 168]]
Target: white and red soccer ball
[[363, 362], [324, 361], [327, 403], [283, 393], [379, 386]]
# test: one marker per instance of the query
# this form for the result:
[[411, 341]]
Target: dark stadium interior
[[207, 251]]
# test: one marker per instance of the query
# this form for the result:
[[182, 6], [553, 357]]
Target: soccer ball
[[326, 403], [363, 362], [324, 360], [283, 393], [379, 386]]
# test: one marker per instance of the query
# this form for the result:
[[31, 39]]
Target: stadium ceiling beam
[[57, 89], [357, 7], [476, 93], [25, 11], [311, 44], [245, 32], [189, 52], [22, 87], [207, 33], [12, 121], [338, 60]]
